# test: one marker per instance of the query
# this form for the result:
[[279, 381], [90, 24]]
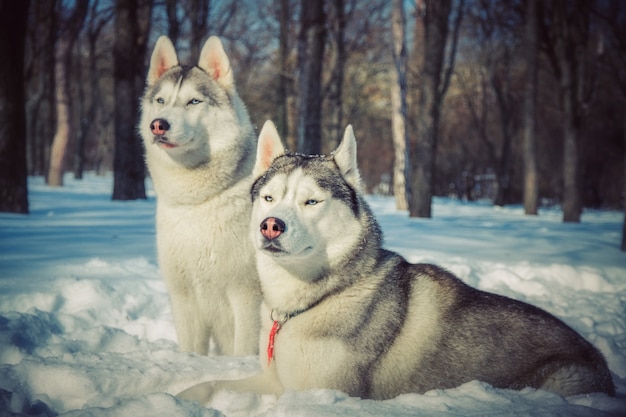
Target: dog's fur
[[200, 148], [360, 319]]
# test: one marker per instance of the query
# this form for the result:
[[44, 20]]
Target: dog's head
[[306, 209], [189, 112]]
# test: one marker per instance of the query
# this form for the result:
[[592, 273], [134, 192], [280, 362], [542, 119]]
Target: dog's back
[[478, 335]]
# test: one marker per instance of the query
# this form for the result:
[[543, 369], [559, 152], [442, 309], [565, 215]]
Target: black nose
[[159, 126], [272, 227]]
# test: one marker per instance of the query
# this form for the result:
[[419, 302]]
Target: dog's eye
[[160, 100], [194, 101], [311, 202], [268, 198]]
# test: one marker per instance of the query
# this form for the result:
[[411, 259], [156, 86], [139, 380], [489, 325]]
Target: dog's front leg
[[245, 308], [262, 384], [192, 333], [201, 393]]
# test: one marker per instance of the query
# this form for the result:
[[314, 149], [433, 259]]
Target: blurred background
[[516, 102]]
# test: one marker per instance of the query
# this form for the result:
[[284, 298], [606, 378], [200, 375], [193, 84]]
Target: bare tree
[[496, 24], [501, 84], [616, 61], [531, 41], [566, 32], [477, 91], [311, 40], [62, 69], [89, 99], [613, 16], [199, 15], [40, 102], [284, 80], [333, 94], [13, 181], [132, 19], [173, 24], [435, 81], [399, 105], [623, 244]]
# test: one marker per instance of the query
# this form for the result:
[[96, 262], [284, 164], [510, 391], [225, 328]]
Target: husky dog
[[200, 150], [340, 312]]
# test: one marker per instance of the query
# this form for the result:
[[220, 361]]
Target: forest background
[[522, 101]]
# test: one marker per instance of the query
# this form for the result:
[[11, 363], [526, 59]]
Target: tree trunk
[[572, 108], [612, 14], [335, 85], [61, 137], [283, 82], [128, 71], [399, 106], [89, 102], [500, 85], [84, 122], [531, 192], [423, 155], [567, 33], [572, 198], [62, 69], [173, 26], [13, 171], [199, 16], [623, 246], [310, 58], [572, 129], [40, 117]]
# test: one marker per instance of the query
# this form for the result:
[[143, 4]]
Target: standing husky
[[340, 312], [200, 150]]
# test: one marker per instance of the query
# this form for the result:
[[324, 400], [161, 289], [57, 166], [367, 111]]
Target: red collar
[[278, 322]]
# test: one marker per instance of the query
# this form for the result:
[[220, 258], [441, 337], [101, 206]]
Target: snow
[[86, 327]]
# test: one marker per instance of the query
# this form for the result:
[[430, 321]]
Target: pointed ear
[[345, 158], [268, 148], [163, 58], [214, 61]]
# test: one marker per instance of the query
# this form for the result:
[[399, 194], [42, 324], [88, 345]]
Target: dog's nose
[[159, 126], [272, 227]]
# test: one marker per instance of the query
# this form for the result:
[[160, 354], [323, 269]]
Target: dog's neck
[[289, 289], [176, 185], [299, 286]]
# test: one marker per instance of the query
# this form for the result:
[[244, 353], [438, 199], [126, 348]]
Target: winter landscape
[[86, 328]]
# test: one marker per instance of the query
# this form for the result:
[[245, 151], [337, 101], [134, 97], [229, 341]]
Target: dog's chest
[[305, 361], [202, 237]]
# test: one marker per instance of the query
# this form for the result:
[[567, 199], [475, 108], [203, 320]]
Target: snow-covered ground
[[86, 328]]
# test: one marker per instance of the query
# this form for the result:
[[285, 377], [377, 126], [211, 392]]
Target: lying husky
[[340, 312], [200, 149]]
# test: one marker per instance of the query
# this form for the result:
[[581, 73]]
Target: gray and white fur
[[361, 319], [200, 148]]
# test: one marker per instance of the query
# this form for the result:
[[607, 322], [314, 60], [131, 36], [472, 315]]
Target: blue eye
[[311, 202], [268, 198], [160, 100], [194, 101]]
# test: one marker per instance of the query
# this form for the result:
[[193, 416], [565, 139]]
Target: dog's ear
[[345, 158], [268, 148], [163, 58], [215, 62]]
